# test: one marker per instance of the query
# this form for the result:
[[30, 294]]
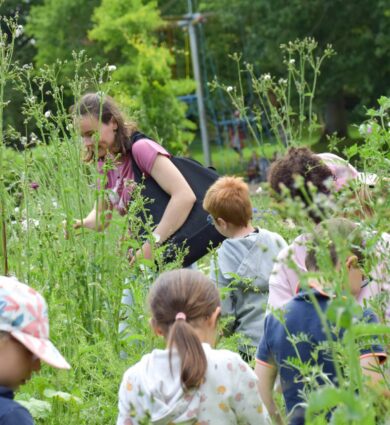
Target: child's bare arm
[[267, 377], [369, 367]]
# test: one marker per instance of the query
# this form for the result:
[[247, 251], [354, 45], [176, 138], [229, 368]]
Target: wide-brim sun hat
[[24, 315]]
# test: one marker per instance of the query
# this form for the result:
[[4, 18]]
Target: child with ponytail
[[189, 382]]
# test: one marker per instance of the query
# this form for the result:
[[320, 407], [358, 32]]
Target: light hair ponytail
[[192, 296]]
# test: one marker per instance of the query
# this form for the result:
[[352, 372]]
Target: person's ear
[[221, 222], [114, 123], [156, 329], [213, 319], [352, 262]]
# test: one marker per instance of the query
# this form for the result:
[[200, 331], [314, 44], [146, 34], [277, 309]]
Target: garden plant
[[82, 274]]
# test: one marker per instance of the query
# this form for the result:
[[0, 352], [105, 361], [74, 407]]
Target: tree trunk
[[336, 117]]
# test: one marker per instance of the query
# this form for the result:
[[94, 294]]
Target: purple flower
[[34, 185]]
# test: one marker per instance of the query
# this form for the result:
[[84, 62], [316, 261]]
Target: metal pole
[[199, 91]]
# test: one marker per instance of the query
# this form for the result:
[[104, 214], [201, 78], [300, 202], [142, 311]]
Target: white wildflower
[[290, 224], [111, 68], [69, 127], [31, 223], [23, 140], [32, 41], [266, 77], [48, 113], [33, 137], [18, 31], [16, 210], [229, 89], [291, 61], [282, 81]]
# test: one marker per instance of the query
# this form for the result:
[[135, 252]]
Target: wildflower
[[23, 140], [32, 41], [282, 81], [266, 77], [111, 68], [69, 127], [289, 223], [48, 113], [291, 61], [365, 129], [29, 223], [33, 137], [34, 185], [18, 31], [229, 89]]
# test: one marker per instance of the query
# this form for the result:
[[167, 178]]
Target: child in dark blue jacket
[[24, 342]]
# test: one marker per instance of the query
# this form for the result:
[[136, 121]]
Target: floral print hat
[[23, 313]]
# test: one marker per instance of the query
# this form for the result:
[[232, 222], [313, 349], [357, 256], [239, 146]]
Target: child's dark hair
[[300, 162], [193, 294], [331, 233], [103, 108]]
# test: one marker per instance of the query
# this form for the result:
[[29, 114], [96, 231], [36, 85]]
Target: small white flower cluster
[[266, 77], [291, 61], [229, 89], [18, 31], [31, 223], [48, 113], [111, 68]]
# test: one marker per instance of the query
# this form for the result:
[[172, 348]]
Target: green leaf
[[39, 409], [61, 395], [369, 329]]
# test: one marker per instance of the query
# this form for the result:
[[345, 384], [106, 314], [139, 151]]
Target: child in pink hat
[[24, 342]]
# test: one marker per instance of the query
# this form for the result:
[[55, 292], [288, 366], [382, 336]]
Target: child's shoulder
[[136, 369], [269, 236], [223, 358], [11, 412]]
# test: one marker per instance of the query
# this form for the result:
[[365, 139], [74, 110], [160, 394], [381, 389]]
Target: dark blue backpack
[[196, 233]]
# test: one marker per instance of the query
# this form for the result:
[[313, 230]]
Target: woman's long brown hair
[[192, 293]]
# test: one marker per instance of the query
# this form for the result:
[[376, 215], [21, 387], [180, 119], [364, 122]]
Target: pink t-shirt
[[120, 179], [284, 281]]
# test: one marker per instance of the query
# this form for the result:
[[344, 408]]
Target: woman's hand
[[145, 252], [76, 225], [93, 220]]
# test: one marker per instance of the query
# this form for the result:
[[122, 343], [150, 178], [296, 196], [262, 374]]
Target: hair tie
[[180, 316]]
